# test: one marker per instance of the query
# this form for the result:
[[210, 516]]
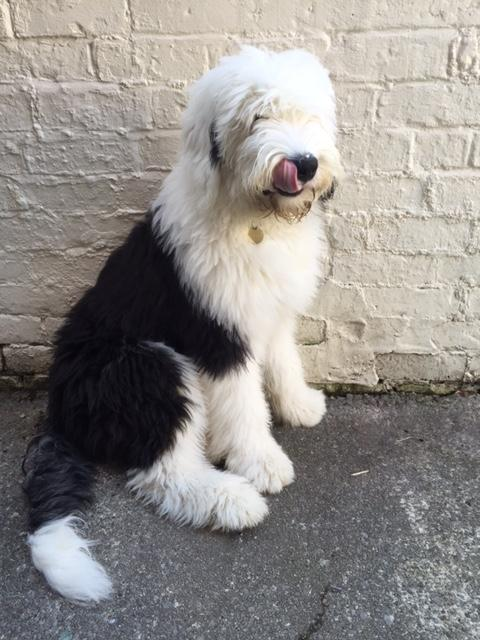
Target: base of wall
[[38, 382]]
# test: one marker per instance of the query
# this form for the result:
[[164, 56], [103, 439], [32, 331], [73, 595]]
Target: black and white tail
[[58, 484]]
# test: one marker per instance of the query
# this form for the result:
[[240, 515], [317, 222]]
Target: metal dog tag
[[256, 234]]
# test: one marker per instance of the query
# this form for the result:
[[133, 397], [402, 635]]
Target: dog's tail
[[58, 484]]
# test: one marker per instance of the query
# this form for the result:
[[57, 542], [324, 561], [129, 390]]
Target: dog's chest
[[253, 285]]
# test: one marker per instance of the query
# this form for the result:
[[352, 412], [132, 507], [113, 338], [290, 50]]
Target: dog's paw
[[268, 470], [238, 505], [305, 409]]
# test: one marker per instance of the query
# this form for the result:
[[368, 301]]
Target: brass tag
[[256, 234]]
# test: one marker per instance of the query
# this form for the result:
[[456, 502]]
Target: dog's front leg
[[293, 401], [239, 429]]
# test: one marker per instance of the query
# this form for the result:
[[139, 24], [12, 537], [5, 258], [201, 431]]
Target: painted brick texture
[[90, 99]]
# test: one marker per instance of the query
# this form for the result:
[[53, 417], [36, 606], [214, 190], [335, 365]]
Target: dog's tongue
[[285, 177]]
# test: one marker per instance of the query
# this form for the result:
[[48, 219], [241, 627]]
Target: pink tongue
[[285, 177]]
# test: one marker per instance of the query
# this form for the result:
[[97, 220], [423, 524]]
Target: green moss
[[40, 382]]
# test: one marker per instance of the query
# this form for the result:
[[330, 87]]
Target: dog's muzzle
[[291, 174]]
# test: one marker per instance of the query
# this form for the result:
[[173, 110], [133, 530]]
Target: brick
[[11, 158], [310, 330], [12, 195], [382, 14], [180, 16], [418, 303], [173, 60], [464, 55], [167, 106], [457, 195], [6, 30], [399, 367], [72, 194], [379, 269], [430, 105], [14, 268], [375, 193], [354, 105], [474, 303], [417, 335], [474, 367], [276, 16], [25, 299], [375, 56], [412, 235], [54, 60], [83, 156], [441, 149], [87, 18], [27, 358], [384, 334], [94, 107], [137, 192], [440, 336], [462, 268], [376, 151], [338, 360], [59, 233], [19, 329], [114, 60], [334, 301], [348, 231], [159, 150], [475, 157], [15, 114], [50, 326], [68, 269]]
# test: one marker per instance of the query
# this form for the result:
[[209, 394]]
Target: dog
[[163, 368]]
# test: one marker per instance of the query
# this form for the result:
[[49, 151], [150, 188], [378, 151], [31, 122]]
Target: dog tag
[[256, 234]]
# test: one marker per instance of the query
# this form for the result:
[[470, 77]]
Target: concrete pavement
[[389, 554]]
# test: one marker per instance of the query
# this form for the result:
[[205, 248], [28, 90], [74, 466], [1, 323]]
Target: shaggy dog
[[160, 368]]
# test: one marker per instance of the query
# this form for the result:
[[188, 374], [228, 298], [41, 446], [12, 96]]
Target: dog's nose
[[306, 165]]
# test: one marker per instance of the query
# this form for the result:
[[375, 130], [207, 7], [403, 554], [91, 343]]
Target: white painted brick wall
[[90, 99]]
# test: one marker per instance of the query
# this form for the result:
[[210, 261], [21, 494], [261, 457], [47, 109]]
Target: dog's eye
[[258, 117]]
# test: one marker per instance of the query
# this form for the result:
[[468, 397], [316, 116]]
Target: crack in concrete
[[319, 618]]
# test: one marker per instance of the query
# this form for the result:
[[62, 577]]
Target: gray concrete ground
[[393, 553]]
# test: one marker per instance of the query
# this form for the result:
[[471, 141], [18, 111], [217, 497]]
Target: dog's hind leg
[[186, 487]]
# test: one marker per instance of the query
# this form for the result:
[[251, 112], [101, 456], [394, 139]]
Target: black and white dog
[[160, 368]]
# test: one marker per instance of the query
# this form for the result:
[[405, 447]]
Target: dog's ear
[[329, 193], [214, 147]]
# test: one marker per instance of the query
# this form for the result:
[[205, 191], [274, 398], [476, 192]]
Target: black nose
[[306, 165]]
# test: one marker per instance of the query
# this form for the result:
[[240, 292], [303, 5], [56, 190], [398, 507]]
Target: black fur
[[114, 396], [215, 156], [57, 481], [330, 192]]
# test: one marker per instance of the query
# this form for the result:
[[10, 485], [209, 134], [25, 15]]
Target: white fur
[[239, 430], [65, 560], [263, 107], [187, 488], [206, 213], [293, 401]]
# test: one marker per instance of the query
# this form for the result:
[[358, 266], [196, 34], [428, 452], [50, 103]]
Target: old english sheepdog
[[168, 365]]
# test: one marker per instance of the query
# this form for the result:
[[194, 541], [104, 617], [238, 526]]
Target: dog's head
[[264, 122]]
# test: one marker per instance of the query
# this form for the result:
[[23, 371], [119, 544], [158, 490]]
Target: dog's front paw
[[269, 470], [305, 409], [238, 505]]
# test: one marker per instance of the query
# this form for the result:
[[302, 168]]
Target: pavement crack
[[319, 618]]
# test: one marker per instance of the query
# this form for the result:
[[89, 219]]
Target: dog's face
[[264, 124]]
